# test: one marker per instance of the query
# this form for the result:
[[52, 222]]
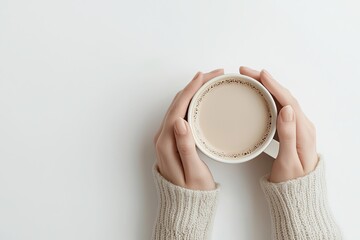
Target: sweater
[[299, 209]]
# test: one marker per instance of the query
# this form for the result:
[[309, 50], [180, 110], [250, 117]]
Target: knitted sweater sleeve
[[183, 213], [299, 208]]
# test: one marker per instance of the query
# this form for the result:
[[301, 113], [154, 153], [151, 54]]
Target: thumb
[[196, 171], [286, 127]]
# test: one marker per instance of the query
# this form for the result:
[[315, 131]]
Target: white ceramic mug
[[269, 146]]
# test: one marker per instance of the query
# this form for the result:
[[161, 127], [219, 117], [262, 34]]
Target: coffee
[[231, 118]]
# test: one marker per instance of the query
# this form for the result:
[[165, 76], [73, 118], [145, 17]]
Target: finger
[[287, 164], [195, 170], [283, 97], [303, 126], [180, 106], [185, 145], [168, 159], [250, 72], [282, 94], [212, 74], [286, 127]]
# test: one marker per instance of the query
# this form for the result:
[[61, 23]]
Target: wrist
[[183, 213]]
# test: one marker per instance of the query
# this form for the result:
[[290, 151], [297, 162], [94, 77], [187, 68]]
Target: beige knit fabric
[[183, 213], [299, 208]]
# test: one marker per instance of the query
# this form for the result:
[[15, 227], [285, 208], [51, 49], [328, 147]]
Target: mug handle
[[272, 149]]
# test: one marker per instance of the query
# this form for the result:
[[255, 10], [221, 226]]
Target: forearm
[[299, 208], [183, 213]]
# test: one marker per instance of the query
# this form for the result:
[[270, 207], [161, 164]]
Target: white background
[[84, 85]]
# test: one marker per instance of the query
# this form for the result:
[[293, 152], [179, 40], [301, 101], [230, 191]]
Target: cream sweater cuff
[[183, 213], [299, 208]]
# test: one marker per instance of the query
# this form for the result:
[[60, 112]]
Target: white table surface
[[84, 86]]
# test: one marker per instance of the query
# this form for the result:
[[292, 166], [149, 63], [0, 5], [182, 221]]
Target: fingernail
[[180, 126], [287, 114]]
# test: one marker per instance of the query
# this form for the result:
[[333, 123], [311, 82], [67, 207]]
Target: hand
[[177, 159], [297, 135]]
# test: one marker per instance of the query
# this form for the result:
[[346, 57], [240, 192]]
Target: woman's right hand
[[177, 158], [297, 135]]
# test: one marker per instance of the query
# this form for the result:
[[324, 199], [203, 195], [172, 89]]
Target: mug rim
[[268, 98]]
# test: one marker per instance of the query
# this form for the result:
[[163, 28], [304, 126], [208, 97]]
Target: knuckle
[[294, 101], [312, 128], [159, 146], [174, 101], [311, 133], [288, 92]]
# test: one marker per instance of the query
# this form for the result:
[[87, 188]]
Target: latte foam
[[232, 118]]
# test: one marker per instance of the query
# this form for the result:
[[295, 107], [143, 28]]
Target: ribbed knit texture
[[299, 208], [183, 213]]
